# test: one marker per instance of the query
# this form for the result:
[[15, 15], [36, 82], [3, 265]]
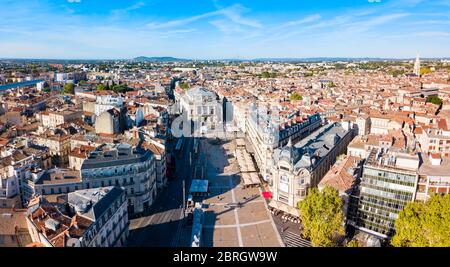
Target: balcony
[[422, 181], [439, 183]]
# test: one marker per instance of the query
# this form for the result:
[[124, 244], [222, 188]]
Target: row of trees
[[69, 88], [118, 88], [419, 224]]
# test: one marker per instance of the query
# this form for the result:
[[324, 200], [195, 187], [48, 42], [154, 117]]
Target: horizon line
[[230, 59]]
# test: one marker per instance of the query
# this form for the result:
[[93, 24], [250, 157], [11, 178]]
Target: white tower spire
[[417, 66]]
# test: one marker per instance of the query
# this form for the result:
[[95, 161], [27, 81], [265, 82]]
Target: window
[[283, 198], [284, 183]]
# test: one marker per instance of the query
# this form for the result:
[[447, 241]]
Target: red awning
[[267, 194]]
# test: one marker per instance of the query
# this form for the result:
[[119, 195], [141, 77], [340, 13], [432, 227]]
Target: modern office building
[[388, 183]]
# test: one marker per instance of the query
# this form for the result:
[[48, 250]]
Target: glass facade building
[[386, 187]]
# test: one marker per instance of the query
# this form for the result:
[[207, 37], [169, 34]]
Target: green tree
[[322, 216], [339, 66], [184, 85], [396, 72], [266, 74], [295, 96], [422, 224], [435, 100], [101, 87], [120, 88], [69, 88], [425, 70]]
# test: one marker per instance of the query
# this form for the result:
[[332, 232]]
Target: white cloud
[[308, 19], [374, 1], [433, 34], [365, 25], [232, 13], [119, 13], [74, 1], [225, 27]]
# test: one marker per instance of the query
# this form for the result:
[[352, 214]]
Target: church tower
[[417, 66]]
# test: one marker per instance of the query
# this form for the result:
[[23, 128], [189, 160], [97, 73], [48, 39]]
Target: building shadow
[[154, 235], [173, 231]]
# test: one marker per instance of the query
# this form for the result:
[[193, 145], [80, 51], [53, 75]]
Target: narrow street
[[159, 228]]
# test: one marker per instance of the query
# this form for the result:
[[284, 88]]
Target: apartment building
[[202, 107], [434, 176], [58, 144], [55, 118], [87, 218], [298, 167], [123, 165], [9, 188], [267, 133], [435, 140]]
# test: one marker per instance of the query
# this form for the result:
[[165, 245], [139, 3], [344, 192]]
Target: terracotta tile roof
[[152, 147], [338, 176]]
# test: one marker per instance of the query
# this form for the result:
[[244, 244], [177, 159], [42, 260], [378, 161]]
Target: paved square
[[227, 225]]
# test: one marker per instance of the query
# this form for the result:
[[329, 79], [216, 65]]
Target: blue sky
[[207, 29]]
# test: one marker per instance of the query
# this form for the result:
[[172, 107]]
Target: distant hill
[[321, 59], [158, 59]]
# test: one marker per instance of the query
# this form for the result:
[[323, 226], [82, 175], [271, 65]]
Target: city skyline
[[86, 29]]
